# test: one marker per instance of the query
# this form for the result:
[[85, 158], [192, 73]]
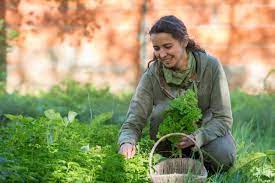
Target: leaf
[[51, 114], [251, 157], [18, 118], [66, 121], [50, 137], [71, 116], [11, 117], [102, 118], [265, 172], [270, 152], [85, 148]]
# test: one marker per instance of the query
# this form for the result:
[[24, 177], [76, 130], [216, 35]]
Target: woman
[[178, 64]]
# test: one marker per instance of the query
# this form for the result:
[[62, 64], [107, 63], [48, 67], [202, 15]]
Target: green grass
[[86, 100], [56, 146]]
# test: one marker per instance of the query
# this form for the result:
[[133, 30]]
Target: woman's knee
[[220, 154]]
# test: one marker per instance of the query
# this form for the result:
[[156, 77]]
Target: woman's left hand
[[186, 142]]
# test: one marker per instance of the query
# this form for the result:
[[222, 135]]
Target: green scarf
[[180, 77]]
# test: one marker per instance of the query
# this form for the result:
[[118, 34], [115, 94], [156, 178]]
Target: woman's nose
[[162, 54]]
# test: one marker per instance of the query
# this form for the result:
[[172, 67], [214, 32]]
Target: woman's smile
[[167, 60]]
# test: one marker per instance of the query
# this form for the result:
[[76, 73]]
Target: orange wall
[[98, 41]]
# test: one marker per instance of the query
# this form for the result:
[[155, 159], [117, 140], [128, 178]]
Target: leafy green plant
[[86, 100], [181, 116], [43, 140], [256, 166], [61, 149]]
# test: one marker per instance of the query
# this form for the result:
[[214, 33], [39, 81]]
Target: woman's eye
[[168, 47], [156, 48]]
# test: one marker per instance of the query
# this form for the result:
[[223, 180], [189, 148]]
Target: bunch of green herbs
[[181, 116]]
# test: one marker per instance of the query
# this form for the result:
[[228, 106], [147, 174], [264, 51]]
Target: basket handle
[[166, 136]]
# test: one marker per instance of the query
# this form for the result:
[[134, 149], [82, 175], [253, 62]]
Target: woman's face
[[169, 51]]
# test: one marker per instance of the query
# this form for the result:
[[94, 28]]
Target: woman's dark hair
[[174, 26]]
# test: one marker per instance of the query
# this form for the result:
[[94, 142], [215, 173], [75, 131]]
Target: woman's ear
[[185, 41]]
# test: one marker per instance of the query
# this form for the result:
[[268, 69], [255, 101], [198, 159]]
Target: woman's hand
[[186, 142], [127, 150]]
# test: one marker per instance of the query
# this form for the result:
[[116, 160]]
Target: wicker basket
[[177, 170]]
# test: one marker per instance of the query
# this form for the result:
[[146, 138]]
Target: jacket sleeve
[[139, 110], [220, 107]]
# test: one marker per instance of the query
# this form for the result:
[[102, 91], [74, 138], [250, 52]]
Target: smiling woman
[[179, 64]]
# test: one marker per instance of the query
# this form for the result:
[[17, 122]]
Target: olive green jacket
[[152, 96]]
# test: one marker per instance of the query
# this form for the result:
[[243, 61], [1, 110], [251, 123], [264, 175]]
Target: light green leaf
[[66, 121], [71, 116], [248, 159], [270, 152], [50, 137], [102, 118], [19, 118], [51, 114], [11, 117], [85, 148]]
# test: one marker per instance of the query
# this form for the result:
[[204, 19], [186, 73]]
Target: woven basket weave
[[177, 170]]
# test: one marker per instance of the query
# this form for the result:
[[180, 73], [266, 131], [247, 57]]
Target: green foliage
[[11, 33], [102, 117], [49, 149], [255, 167], [145, 145], [181, 116], [253, 129], [257, 111], [86, 100], [43, 140], [6, 35]]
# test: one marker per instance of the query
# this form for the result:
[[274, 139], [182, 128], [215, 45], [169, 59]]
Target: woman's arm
[[220, 107], [139, 110]]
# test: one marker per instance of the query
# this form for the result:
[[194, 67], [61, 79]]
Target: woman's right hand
[[127, 150]]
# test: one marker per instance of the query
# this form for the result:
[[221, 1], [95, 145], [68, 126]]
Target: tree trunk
[[140, 40], [2, 43]]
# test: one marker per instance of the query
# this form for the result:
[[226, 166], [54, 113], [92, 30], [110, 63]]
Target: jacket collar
[[201, 59]]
